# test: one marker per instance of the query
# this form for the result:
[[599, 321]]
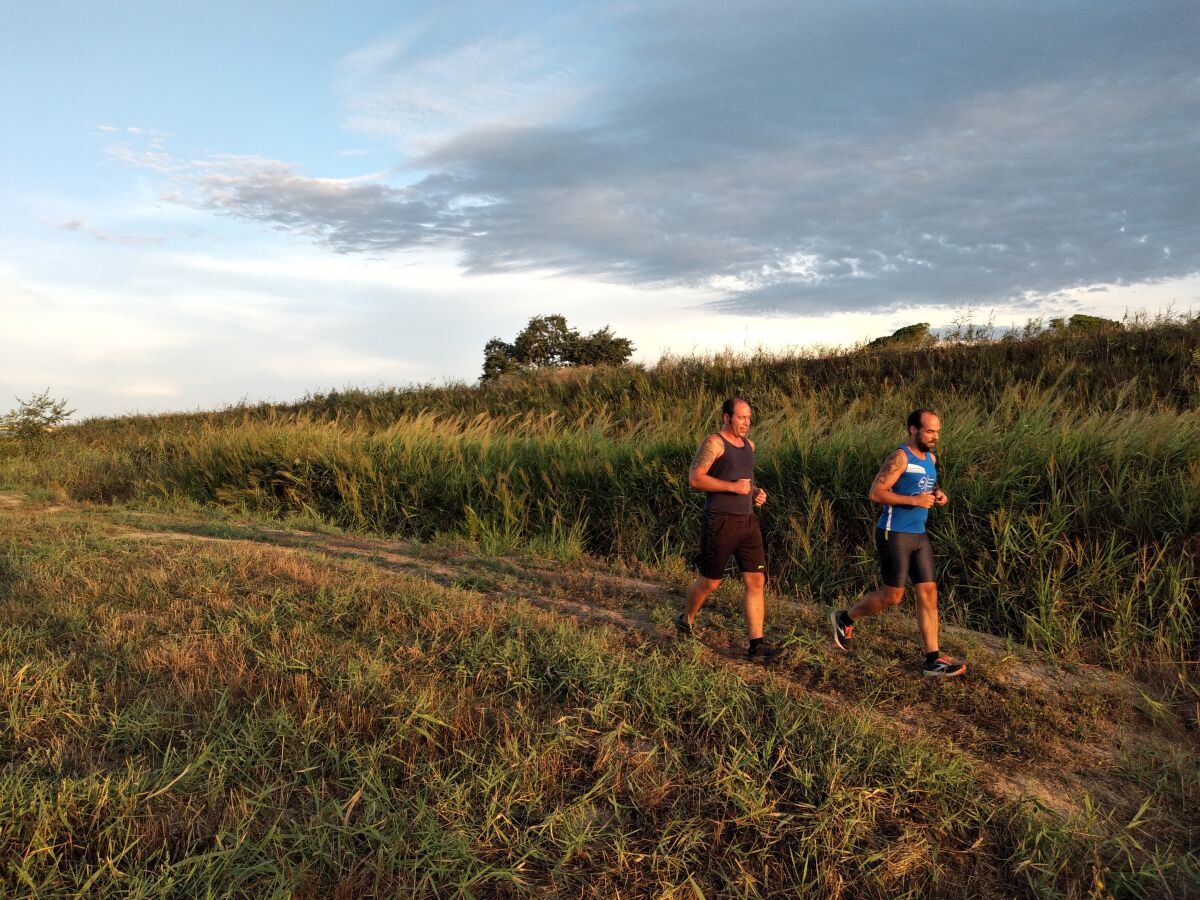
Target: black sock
[[931, 657], [754, 642], [844, 618]]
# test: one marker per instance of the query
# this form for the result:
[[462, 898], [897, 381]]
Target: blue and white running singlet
[[918, 478]]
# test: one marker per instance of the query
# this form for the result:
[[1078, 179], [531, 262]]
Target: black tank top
[[733, 464]]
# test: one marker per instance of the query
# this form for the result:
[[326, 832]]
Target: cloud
[[416, 88], [797, 157], [128, 240], [347, 215]]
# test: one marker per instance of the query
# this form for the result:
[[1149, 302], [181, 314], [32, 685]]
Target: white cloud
[[390, 88], [79, 225], [153, 159]]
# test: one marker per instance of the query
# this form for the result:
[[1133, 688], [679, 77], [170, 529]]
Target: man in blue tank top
[[724, 469], [907, 487]]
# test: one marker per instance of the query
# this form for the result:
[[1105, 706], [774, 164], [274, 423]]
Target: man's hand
[[741, 486], [923, 501], [940, 497], [760, 498]]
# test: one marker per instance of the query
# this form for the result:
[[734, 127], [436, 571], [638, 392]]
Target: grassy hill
[[1072, 460], [417, 641]]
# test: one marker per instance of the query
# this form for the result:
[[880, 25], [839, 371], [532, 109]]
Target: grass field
[[418, 642], [199, 705]]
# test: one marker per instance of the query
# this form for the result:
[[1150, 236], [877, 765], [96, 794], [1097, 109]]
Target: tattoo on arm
[[891, 469], [707, 454]]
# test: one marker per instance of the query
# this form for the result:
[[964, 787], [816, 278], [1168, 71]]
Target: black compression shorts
[[723, 535], [902, 554]]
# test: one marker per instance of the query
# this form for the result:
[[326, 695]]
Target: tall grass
[[1073, 464], [1143, 365]]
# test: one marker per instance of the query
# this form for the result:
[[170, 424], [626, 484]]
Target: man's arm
[[940, 498], [760, 495], [700, 480], [889, 473]]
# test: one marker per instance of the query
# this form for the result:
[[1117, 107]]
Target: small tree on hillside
[[917, 335], [548, 342], [1083, 322], [34, 417], [600, 348], [499, 358]]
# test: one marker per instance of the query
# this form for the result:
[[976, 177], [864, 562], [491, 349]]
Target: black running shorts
[[723, 535], [902, 554]]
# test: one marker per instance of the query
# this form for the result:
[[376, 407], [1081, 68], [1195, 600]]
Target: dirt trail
[[18, 501]]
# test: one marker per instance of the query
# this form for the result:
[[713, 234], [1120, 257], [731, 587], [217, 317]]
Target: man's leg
[[876, 601], [883, 597], [710, 565], [893, 552], [936, 662], [927, 614], [925, 585], [700, 590], [759, 650], [752, 562], [755, 582]]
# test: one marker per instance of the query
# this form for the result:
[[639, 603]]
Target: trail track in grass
[[1031, 728]]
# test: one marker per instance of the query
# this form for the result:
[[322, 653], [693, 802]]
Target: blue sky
[[223, 201]]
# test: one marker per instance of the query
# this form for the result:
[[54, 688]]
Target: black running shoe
[[765, 652], [945, 667], [682, 627], [843, 630]]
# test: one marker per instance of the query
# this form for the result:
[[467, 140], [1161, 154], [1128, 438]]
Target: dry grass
[[249, 710]]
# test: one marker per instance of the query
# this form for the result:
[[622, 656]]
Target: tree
[[34, 417], [1083, 322], [600, 348], [548, 342], [499, 358], [917, 335]]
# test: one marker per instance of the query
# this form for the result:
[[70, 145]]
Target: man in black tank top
[[724, 469]]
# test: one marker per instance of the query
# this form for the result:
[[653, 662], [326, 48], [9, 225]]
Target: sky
[[209, 203]]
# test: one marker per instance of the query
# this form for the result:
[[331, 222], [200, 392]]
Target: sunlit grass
[[225, 717]]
